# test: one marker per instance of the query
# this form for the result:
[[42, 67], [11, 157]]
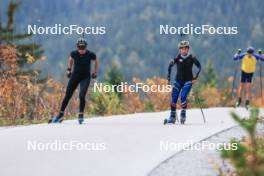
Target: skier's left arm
[[259, 57], [69, 66], [96, 64], [198, 65]]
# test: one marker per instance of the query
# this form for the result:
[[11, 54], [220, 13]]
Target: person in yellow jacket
[[248, 67]]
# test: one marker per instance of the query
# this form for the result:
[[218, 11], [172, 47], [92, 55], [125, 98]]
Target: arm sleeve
[[259, 57], [72, 54], [171, 64], [93, 56], [239, 56], [198, 65]]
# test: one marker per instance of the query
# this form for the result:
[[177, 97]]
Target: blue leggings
[[183, 88]]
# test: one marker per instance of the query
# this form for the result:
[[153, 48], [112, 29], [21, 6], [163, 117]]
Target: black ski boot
[[56, 119], [247, 104], [81, 118], [171, 119], [238, 102], [183, 116]]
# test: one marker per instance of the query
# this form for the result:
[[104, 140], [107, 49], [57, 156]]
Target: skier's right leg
[[174, 98], [72, 84]]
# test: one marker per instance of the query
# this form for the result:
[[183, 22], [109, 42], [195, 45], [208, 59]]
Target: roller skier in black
[[183, 81], [80, 60]]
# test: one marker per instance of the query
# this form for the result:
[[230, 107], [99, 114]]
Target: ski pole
[[235, 75], [201, 108], [260, 77]]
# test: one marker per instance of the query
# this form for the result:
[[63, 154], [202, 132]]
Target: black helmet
[[183, 43], [250, 50], [81, 43]]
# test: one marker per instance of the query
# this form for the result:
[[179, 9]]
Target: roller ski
[[247, 104], [183, 116], [79, 76], [57, 119]]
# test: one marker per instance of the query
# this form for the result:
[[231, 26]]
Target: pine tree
[[247, 158], [209, 76], [114, 75], [27, 52]]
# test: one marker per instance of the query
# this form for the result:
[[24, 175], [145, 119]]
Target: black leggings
[[72, 85]]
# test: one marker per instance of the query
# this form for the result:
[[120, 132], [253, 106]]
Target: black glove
[[171, 63], [68, 72], [94, 75]]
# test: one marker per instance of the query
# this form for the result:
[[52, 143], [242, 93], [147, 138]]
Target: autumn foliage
[[25, 98]]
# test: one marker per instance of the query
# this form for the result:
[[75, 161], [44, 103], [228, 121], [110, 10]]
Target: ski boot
[[80, 119], [238, 103], [247, 104], [56, 119], [170, 120], [183, 116]]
